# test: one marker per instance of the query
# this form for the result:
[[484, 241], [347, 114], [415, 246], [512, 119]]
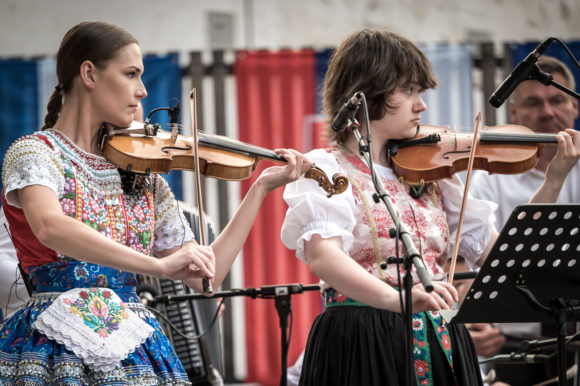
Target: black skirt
[[357, 345]]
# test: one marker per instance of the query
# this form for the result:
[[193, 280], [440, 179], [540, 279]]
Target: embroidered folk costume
[[351, 341], [84, 323]]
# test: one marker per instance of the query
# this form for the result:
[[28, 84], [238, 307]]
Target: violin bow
[[465, 190], [206, 283]]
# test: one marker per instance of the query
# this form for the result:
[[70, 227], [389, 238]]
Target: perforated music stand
[[532, 274]]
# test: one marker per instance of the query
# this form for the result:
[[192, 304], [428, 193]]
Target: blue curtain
[[25, 86], [322, 58], [162, 78], [520, 51], [18, 101]]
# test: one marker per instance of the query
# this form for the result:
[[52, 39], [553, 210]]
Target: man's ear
[[575, 107], [512, 110], [88, 73]]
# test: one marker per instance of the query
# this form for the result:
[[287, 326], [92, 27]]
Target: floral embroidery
[[334, 298], [420, 368], [442, 335], [417, 324], [138, 211], [80, 272], [91, 193], [102, 280], [98, 311], [445, 342], [423, 218], [427, 224], [421, 351], [89, 189], [365, 257]]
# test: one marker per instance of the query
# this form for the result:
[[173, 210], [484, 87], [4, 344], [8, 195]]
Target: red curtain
[[276, 93]]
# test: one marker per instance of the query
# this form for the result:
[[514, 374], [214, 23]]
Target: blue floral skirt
[[28, 357]]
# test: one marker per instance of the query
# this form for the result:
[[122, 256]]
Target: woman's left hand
[[567, 155], [276, 176]]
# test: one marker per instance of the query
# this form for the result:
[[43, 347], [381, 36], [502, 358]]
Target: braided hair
[[94, 41]]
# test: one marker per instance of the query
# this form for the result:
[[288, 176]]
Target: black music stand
[[532, 274]]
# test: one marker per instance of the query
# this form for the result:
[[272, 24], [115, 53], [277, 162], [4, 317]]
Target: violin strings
[[180, 128]]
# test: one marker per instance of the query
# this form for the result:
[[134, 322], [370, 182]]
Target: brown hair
[[94, 41], [375, 62]]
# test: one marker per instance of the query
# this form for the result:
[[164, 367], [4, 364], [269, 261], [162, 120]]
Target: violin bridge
[[174, 132]]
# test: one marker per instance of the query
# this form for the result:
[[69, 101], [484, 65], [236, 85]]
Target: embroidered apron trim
[[95, 324]]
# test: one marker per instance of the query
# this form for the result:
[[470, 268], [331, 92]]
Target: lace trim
[[171, 226], [95, 324], [30, 161], [39, 298], [92, 170]]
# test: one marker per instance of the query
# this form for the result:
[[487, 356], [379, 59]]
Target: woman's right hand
[[189, 261], [441, 298]]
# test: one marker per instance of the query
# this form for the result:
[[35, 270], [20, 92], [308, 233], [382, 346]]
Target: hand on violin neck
[[276, 176], [567, 155]]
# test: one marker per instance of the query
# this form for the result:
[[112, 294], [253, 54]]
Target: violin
[[437, 152], [147, 148]]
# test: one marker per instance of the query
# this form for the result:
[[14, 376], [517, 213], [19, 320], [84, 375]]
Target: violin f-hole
[[166, 149], [446, 154]]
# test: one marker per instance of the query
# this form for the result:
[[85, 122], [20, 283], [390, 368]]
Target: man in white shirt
[[544, 110]]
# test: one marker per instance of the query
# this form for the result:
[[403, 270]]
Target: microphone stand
[[280, 294], [412, 256], [548, 80]]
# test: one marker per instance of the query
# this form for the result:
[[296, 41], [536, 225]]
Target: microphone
[[147, 293], [517, 358], [528, 345], [346, 113], [525, 70], [174, 114], [285, 289]]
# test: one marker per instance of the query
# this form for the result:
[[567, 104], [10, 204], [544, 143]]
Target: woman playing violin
[[360, 337], [81, 238]]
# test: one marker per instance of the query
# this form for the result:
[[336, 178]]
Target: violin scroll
[[338, 185]]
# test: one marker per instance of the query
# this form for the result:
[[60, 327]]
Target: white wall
[[35, 27]]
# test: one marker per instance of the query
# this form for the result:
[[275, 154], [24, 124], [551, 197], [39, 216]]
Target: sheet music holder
[[532, 273], [538, 248]]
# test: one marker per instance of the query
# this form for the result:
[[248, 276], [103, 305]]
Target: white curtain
[[47, 81], [451, 102]]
